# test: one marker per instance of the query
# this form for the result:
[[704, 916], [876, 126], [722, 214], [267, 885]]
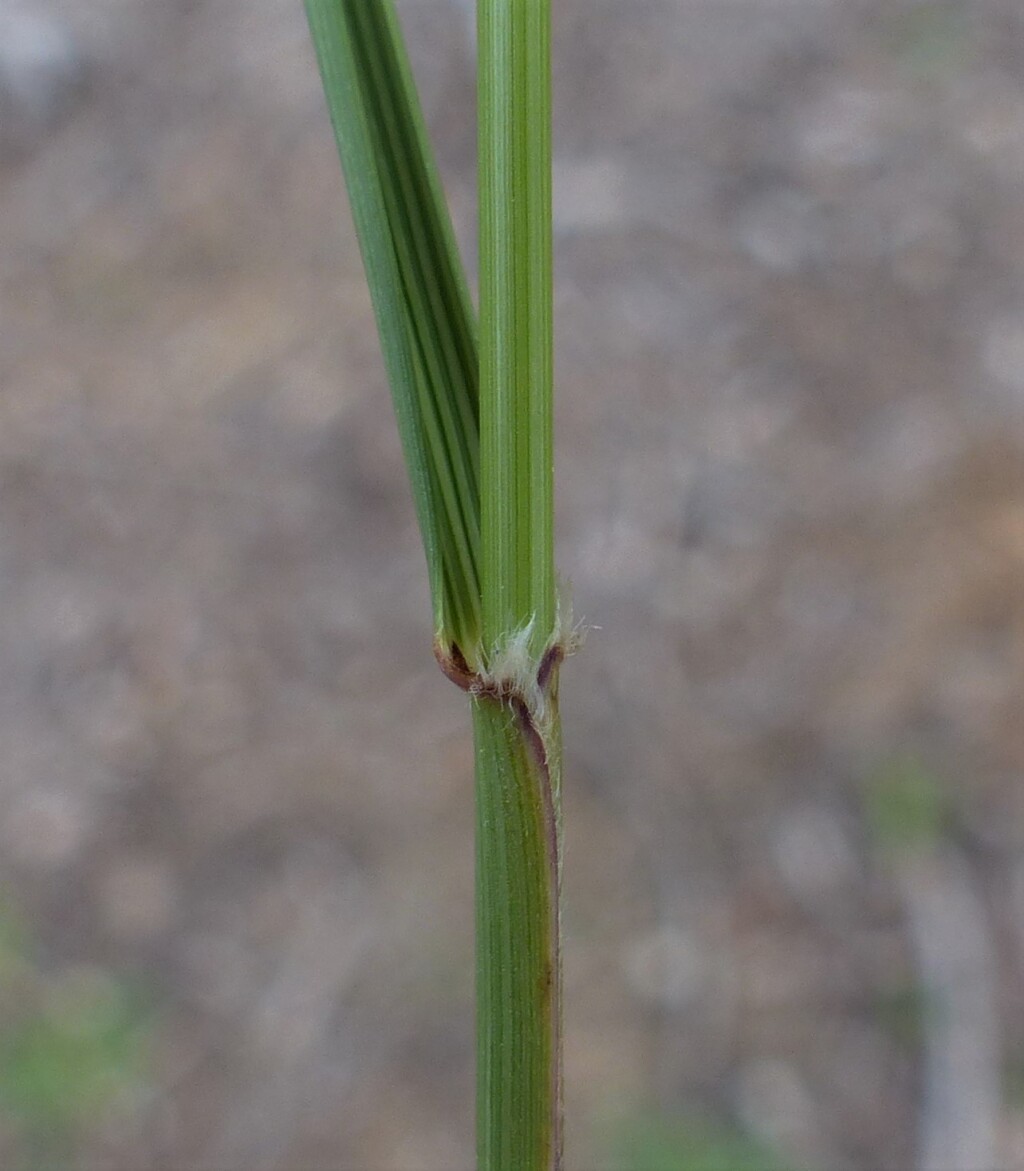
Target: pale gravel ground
[[790, 310]]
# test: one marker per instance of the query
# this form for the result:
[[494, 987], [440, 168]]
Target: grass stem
[[477, 435]]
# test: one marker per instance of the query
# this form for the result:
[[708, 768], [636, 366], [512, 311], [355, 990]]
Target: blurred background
[[235, 793]]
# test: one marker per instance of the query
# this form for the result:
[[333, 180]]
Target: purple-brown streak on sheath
[[534, 741], [552, 657]]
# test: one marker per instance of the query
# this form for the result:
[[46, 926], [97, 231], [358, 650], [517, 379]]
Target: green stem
[[516, 478], [519, 1073], [518, 746], [484, 498]]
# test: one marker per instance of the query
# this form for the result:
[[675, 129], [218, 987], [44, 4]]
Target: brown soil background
[[790, 351]]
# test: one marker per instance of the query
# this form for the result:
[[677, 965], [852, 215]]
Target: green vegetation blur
[[73, 1053]]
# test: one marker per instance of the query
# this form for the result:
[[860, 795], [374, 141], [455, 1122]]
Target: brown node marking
[[453, 665]]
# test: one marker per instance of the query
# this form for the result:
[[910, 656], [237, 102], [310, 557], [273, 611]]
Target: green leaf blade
[[418, 289]]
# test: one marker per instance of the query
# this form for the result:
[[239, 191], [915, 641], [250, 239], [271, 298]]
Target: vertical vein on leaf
[[424, 317]]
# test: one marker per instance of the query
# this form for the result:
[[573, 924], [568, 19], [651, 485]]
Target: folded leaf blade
[[418, 289]]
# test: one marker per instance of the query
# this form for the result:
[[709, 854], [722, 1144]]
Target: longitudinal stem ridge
[[516, 476]]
